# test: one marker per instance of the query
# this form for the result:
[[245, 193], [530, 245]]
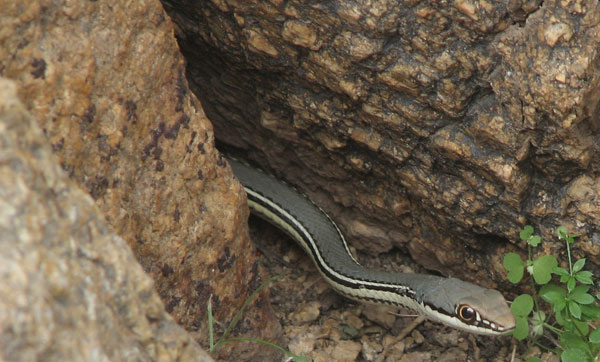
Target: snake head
[[487, 309], [468, 307]]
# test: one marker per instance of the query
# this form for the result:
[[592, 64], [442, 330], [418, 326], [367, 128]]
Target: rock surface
[[71, 288], [435, 127], [106, 81]]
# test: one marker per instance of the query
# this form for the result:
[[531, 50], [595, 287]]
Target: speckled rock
[[416, 357], [346, 351], [71, 289], [107, 83], [440, 128]]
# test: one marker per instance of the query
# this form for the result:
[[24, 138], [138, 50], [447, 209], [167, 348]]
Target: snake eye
[[466, 313]]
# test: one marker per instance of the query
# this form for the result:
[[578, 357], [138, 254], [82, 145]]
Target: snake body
[[451, 301]]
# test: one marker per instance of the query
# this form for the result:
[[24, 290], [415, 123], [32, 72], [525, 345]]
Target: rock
[[416, 357], [445, 140], [353, 320], [380, 314], [302, 344], [394, 351], [346, 351], [71, 288], [106, 82], [550, 357], [370, 349], [534, 351], [308, 313], [418, 337], [463, 345], [390, 341], [453, 355], [446, 339]]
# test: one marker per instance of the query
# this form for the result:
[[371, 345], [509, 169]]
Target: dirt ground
[[324, 326]]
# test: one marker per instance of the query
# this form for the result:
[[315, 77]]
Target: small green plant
[[565, 326], [223, 340]]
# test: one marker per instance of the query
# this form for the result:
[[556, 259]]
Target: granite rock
[[438, 128], [71, 288], [106, 82]]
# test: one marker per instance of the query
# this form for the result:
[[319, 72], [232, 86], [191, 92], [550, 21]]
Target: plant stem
[[553, 329], [533, 289], [569, 256], [547, 349], [211, 341]]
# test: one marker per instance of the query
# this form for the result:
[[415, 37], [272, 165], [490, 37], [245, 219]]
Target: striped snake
[[451, 301]]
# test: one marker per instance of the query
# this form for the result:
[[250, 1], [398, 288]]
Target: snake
[[450, 301]]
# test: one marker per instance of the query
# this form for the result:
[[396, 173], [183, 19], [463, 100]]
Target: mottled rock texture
[[441, 127], [107, 83], [71, 289]]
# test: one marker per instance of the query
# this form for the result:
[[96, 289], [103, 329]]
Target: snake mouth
[[502, 330], [503, 324], [491, 328]]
